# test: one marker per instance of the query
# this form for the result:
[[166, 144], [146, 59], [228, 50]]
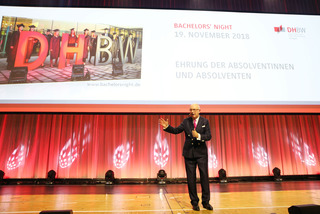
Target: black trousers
[[191, 166]]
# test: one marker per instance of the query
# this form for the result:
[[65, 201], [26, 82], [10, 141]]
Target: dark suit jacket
[[193, 148]]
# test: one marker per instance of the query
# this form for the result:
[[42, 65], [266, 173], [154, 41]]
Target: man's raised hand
[[164, 123]]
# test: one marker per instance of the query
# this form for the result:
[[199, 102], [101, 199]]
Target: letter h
[[65, 49]]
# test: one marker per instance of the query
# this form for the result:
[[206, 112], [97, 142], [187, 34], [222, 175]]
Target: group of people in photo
[[54, 44]]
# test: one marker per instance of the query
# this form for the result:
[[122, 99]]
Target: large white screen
[[203, 57]]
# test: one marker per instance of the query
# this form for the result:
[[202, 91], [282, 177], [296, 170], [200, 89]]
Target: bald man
[[197, 132]]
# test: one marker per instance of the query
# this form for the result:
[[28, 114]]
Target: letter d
[[22, 49]]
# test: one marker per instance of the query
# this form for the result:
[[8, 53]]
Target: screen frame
[[143, 108], [156, 108]]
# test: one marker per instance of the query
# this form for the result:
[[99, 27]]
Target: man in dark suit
[[48, 35], [197, 132]]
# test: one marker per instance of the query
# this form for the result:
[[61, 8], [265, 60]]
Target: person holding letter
[[31, 43], [55, 48], [195, 152], [72, 40], [86, 44], [13, 44], [93, 44]]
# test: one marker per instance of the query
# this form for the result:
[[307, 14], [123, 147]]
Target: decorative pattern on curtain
[[134, 146]]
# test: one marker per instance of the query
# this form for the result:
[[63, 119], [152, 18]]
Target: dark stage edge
[[98, 181]]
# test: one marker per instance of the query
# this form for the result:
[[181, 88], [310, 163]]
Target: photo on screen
[[44, 51]]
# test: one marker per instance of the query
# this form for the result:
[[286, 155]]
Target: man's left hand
[[195, 133]]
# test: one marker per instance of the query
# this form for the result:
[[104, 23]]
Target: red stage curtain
[[134, 146]]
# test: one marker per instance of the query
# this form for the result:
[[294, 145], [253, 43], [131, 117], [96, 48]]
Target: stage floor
[[230, 198]]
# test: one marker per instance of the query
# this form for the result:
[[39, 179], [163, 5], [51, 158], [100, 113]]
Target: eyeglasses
[[194, 109]]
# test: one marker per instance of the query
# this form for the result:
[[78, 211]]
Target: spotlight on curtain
[[222, 176], [161, 176], [51, 177], [109, 177], [1, 176], [277, 174]]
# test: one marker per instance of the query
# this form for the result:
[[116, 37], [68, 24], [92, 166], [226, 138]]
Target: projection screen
[[148, 60]]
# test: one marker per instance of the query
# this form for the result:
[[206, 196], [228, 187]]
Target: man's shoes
[[207, 206], [196, 207]]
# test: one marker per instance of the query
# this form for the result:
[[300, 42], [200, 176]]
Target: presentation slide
[[131, 59]]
